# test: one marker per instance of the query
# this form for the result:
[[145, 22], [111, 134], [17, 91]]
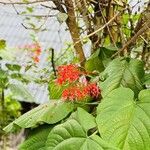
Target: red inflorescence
[[68, 73], [92, 90], [36, 50], [80, 89], [73, 93]]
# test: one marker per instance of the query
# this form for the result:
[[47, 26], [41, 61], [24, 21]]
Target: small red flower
[[38, 51], [36, 59], [68, 73]]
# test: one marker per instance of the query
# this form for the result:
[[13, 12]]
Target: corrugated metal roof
[[12, 30], [15, 34]]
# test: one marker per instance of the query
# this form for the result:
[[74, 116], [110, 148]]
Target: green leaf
[[71, 136], [107, 51], [30, 9], [36, 139], [62, 17], [13, 67], [123, 121], [50, 113], [123, 72], [2, 44], [125, 18], [86, 120], [105, 54], [8, 54], [120, 3], [20, 92], [17, 76], [100, 58], [94, 63], [3, 78], [147, 79]]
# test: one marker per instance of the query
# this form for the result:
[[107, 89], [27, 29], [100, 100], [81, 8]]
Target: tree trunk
[[74, 30]]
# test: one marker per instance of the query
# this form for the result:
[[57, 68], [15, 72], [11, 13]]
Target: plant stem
[[94, 103], [3, 99], [53, 62]]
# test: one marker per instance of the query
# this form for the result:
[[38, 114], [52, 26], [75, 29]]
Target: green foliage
[[123, 72], [37, 138], [86, 120], [3, 78], [71, 136], [94, 63], [9, 110], [99, 59], [62, 17], [29, 9], [124, 121], [18, 90], [50, 113], [12, 107], [2, 44], [120, 121], [13, 67], [147, 79]]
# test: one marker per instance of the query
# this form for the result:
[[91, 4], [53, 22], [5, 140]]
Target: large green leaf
[[123, 121], [50, 113], [36, 139], [71, 136], [123, 72], [86, 120]]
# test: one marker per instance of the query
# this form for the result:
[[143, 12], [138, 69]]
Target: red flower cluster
[[68, 73], [79, 88], [79, 93], [36, 50]]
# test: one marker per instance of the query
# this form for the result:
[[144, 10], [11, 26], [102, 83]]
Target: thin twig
[[20, 3], [133, 39], [101, 28], [3, 100], [53, 62], [110, 34]]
